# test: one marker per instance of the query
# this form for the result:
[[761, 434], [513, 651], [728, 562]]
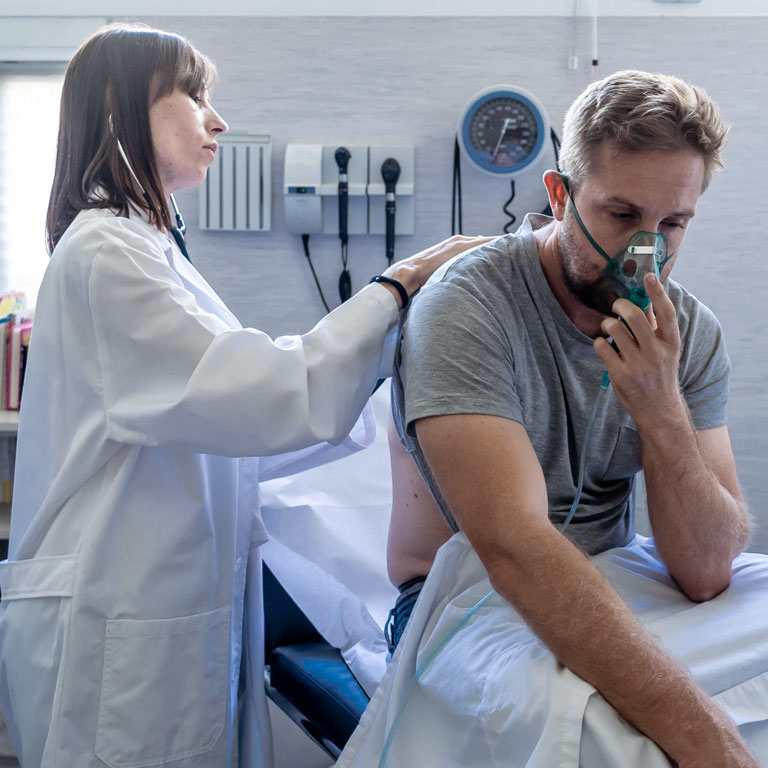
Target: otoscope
[[390, 172], [342, 156]]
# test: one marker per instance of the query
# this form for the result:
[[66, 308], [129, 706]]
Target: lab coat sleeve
[[285, 464], [178, 376]]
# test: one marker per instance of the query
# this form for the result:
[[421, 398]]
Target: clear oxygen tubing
[[435, 652], [604, 384]]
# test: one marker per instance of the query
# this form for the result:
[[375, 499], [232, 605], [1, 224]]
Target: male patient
[[501, 361]]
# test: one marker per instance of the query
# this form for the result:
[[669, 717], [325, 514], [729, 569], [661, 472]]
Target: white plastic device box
[[301, 188]]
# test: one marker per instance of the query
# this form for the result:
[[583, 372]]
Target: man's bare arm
[[699, 520], [490, 476]]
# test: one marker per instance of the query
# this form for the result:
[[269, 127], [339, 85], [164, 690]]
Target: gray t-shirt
[[487, 336]]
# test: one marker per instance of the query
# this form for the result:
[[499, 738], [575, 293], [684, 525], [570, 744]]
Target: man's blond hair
[[640, 111]]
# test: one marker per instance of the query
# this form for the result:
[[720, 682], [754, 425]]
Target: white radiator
[[237, 192]]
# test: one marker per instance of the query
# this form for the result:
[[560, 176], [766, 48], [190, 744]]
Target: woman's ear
[[557, 193]]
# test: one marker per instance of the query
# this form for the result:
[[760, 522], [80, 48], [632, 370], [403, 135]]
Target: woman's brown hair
[[109, 86]]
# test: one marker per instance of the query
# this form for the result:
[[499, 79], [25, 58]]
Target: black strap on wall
[[305, 243], [456, 203]]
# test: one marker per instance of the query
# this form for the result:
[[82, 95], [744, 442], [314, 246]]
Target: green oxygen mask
[[644, 252]]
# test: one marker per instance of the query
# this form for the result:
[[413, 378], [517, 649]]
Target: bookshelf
[[9, 422]]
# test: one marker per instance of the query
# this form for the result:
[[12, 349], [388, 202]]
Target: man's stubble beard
[[594, 293]]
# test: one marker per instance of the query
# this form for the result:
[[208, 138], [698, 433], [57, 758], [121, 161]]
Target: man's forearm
[[578, 615], [698, 524]]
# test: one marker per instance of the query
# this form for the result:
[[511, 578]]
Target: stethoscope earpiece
[[178, 231]]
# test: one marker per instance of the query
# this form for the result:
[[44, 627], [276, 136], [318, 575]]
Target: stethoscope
[[178, 231]]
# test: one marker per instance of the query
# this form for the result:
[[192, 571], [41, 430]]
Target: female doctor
[[130, 622]]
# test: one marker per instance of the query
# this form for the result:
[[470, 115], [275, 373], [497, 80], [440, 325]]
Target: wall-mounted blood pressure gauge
[[503, 129]]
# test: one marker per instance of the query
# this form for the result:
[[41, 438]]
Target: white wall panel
[[716, 8]]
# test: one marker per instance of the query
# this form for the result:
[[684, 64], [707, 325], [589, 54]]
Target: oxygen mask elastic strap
[[644, 252]]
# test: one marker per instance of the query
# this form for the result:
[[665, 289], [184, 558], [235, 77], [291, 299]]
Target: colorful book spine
[[11, 304], [7, 447], [19, 337], [5, 327]]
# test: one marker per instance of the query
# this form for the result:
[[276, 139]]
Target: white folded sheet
[[494, 695]]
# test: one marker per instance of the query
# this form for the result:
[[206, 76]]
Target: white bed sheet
[[495, 695]]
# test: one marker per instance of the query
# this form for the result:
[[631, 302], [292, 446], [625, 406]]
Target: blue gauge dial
[[502, 130]]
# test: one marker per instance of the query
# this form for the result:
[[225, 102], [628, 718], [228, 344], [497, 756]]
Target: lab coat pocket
[[164, 689], [34, 618]]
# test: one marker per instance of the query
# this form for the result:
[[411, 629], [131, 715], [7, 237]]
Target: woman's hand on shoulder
[[414, 271]]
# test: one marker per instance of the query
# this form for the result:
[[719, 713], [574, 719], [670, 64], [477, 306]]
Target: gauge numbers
[[502, 131]]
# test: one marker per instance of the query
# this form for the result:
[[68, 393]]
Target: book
[[11, 304], [19, 335], [25, 336], [7, 445], [5, 327]]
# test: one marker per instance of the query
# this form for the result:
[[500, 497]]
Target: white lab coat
[[135, 526]]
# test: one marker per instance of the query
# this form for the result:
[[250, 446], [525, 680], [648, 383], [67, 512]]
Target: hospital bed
[[306, 676]]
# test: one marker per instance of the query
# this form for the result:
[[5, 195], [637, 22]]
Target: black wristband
[[398, 285]]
